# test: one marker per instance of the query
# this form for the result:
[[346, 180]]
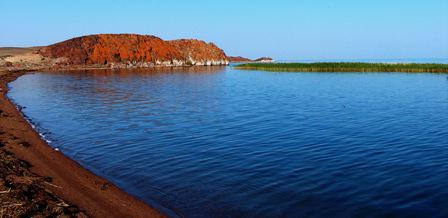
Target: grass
[[346, 67]]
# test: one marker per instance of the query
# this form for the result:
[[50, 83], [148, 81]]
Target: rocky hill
[[132, 50]]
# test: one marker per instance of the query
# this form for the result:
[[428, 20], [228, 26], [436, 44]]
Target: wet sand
[[36, 180]]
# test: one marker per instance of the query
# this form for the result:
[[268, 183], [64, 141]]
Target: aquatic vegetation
[[347, 67]]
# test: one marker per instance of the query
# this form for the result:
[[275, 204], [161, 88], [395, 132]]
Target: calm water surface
[[218, 142]]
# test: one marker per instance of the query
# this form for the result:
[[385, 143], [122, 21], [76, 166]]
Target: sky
[[282, 29]]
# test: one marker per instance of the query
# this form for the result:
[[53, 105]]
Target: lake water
[[219, 142]]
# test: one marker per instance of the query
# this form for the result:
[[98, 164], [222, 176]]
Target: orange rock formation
[[134, 50]]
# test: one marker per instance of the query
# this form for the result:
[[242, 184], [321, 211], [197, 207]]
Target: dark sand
[[36, 180]]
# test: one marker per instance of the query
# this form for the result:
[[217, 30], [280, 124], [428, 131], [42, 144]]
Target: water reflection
[[146, 71]]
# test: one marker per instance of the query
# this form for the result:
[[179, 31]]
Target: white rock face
[[172, 63], [209, 62], [178, 62]]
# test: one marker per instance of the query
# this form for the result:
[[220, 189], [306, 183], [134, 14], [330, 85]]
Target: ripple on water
[[220, 142]]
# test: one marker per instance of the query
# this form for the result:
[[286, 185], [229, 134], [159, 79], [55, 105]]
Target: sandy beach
[[36, 180]]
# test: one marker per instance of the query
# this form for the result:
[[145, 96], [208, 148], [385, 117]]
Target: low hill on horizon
[[239, 59]]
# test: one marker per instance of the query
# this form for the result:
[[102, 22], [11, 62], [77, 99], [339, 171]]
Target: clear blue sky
[[283, 29]]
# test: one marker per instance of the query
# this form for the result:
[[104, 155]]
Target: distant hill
[[236, 59], [264, 59]]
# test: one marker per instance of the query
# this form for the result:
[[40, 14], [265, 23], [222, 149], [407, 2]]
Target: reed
[[347, 67]]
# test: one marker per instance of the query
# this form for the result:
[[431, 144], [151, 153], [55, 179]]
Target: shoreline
[[52, 175]]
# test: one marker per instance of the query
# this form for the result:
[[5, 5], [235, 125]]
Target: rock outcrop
[[132, 50]]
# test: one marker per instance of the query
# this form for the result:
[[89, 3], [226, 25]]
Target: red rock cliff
[[134, 50]]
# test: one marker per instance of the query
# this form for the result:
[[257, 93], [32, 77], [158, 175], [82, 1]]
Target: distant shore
[[36, 180], [346, 67]]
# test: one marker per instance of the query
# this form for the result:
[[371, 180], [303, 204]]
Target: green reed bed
[[347, 67]]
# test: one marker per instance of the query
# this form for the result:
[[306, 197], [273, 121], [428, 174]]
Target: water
[[218, 142]]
